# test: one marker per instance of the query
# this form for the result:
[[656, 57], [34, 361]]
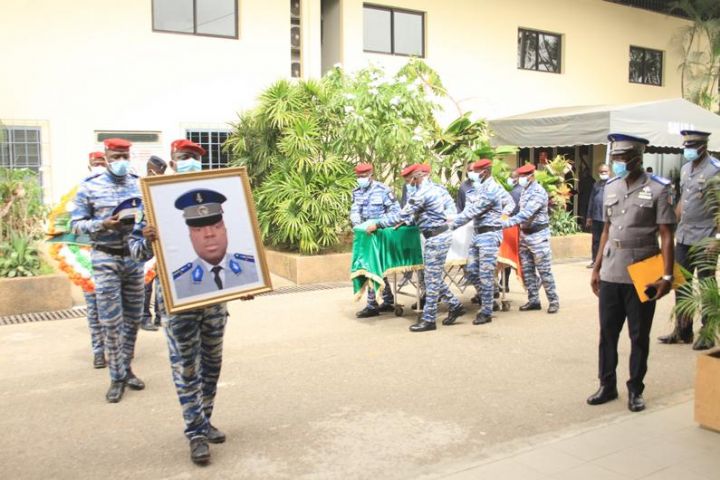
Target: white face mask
[[97, 170], [604, 176], [523, 181], [473, 176]]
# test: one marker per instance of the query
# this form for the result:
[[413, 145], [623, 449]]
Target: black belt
[[535, 229], [120, 252], [634, 243], [487, 229], [434, 232]]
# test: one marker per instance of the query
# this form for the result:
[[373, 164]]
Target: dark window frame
[[537, 47], [209, 162], [392, 11], [646, 50], [194, 32]]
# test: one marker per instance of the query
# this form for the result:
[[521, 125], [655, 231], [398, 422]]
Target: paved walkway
[[308, 391]]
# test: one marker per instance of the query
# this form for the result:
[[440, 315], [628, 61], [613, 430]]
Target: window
[[216, 18], [539, 51], [646, 66], [20, 147], [393, 31], [212, 141]]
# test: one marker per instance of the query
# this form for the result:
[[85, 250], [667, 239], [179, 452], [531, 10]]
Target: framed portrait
[[209, 249]]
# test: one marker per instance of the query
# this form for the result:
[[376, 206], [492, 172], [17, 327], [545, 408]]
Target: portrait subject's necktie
[[218, 281]]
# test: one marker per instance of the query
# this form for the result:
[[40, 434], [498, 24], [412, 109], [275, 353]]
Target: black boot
[[454, 314], [423, 326], [215, 436], [604, 394], [199, 451], [703, 343], [133, 382], [677, 336], [115, 392], [636, 402], [530, 306], [481, 319], [386, 307], [99, 360], [367, 312]]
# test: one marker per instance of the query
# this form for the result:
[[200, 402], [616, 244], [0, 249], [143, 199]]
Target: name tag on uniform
[[645, 196]]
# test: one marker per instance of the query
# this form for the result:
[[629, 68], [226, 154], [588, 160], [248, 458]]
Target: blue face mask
[[619, 169], [473, 176], [363, 182], [691, 154], [523, 181], [119, 168], [411, 189], [189, 165]]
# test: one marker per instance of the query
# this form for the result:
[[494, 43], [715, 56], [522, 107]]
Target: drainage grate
[[79, 312], [76, 312]]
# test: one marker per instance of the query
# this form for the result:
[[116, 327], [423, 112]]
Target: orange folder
[[651, 270]]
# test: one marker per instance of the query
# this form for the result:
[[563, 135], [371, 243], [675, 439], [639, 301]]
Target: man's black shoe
[[215, 436], [553, 308], [423, 326], [703, 343], [422, 303], [476, 299], [115, 392], [636, 402], [530, 306], [133, 382], [199, 451], [367, 312], [99, 360], [677, 336], [496, 306], [604, 394], [481, 319], [386, 307], [453, 315], [148, 326]]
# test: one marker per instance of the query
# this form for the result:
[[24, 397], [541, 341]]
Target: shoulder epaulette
[[134, 175], [95, 175], [715, 162], [247, 258], [185, 268], [661, 180], [612, 180]]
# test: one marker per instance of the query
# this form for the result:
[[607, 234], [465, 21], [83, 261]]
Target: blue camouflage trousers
[[386, 294], [120, 294], [436, 290], [97, 335], [480, 270], [195, 341], [535, 255]]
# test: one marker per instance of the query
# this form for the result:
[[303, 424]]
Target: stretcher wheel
[[505, 306], [399, 311]]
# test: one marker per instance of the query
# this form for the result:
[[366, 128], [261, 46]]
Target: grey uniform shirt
[[696, 221], [195, 278], [633, 215]]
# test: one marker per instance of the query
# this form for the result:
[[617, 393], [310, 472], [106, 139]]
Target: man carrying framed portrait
[[195, 329]]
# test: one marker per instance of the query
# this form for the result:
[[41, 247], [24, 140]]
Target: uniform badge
[[235, 267], [645, 194], [198, 198], [197, 274]]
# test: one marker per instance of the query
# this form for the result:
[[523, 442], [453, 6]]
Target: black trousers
[[597, 228], [682, 256], [147, 316], [617, 302]]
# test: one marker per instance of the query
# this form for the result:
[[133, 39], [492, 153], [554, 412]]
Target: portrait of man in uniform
[[209, 248]]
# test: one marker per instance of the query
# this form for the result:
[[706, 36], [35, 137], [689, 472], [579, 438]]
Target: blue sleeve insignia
[[661, 180], [235, 267], [177, 273], [612, 180], [197, 274], [246, 258], [715, 162]]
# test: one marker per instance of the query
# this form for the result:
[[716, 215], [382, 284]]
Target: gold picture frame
[[189, 284]]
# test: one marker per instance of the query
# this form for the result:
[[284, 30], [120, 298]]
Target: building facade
[[156, 70]]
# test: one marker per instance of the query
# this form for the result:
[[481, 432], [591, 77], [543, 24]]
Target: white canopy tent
[[659, 121]]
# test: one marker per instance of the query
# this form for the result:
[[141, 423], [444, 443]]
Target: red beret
[[117, 144], [423, 167], [526, 169], [94, 155], [363, 168], [184, 144], [482, 163], [408, 170]]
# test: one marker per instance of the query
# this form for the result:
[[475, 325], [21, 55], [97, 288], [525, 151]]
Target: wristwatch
[[668, 278]]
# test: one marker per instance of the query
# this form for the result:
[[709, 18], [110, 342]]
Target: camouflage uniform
[[535, 251], [97, 335], [195, 341], [118, 278], [428, 208], [371, 203], [485, 208]]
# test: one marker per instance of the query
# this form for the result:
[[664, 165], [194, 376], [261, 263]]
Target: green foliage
[[562, 222], [21, 218], [556, 179]]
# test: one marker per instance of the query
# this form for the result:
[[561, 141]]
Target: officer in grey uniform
[[485, 208], [695, 223], [535, 253], [214, 269], [430, 208], [118, 278], [371, 199], [637, 208]]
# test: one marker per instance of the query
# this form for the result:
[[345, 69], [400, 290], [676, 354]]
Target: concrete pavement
[[309, 391]]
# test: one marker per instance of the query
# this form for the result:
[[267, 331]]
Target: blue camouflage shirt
[[372, 202], [533, 208], [428, 208], [95, 201], [486, 206]]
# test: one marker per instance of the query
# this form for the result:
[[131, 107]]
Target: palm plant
[[702, 297]]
